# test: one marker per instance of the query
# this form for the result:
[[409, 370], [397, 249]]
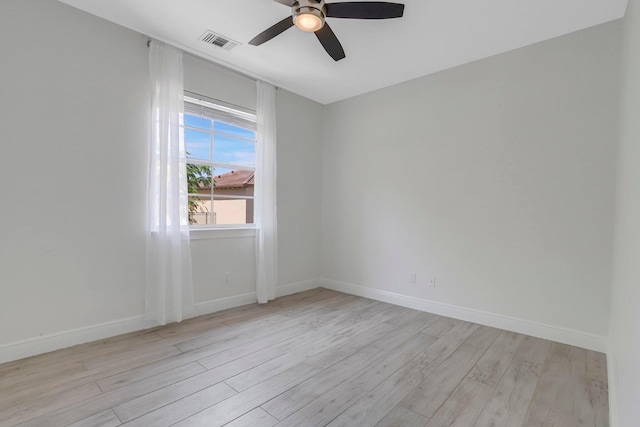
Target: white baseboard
[[294, 288], [46, 343], [208, 307], [612, 376], [51, 342], [522, 326], [212, 306]]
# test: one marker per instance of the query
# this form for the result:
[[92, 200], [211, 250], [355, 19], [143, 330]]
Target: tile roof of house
[[235, 179]]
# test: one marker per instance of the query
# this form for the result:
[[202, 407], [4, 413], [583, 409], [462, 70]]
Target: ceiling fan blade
[[330, 42], [365, 10], [272, 31], [286, 2]]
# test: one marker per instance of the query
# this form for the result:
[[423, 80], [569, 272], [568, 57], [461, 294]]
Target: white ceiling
[[432, 36]]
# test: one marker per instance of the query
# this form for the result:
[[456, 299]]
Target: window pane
[[198, 144], [220, 171], [232, 211], [200, 211], [231, 150], [233, 130], [197, 122], [199, 179], [236, 182], [219, 195]]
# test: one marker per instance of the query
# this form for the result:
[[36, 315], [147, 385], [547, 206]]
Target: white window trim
[[247, 119], [201, 232]]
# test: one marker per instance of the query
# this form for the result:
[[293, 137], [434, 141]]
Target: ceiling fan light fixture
[[308, 15], [308, 22]]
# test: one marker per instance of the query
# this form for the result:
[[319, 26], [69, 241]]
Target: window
[[221, 158]]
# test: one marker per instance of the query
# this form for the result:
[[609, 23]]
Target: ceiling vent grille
[[218, 40]]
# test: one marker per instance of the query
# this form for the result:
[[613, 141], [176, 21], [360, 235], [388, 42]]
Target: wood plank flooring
[[317, 358]]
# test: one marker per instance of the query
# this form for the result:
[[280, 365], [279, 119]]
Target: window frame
[[219, 111]]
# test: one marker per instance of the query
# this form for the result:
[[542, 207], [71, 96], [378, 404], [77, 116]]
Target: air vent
[[218, 40]]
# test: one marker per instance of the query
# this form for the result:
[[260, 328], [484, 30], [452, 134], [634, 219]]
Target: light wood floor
[[311, 359]]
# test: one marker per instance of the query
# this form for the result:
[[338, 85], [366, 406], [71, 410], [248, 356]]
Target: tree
[[198, 177]]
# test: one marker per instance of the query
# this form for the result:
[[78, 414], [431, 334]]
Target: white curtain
[[265, 196], [169, 289]]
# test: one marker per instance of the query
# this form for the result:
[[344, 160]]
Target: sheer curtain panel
[[265, 197], [169, 288]]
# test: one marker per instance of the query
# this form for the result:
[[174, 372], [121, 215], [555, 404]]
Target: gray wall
[[299, 181], [73, 155], [299, 187], [496, 177], [214, 256], [624, 353], [74, 109]]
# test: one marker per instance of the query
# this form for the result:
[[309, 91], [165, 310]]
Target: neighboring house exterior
[[227, 210]]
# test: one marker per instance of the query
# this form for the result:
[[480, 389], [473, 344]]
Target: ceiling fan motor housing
[[310, 7]]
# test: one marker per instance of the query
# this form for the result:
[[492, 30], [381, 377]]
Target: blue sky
[[226, 149]]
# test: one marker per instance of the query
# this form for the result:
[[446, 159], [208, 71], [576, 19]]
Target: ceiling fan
[[309, 16]]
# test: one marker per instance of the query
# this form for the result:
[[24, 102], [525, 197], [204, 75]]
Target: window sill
[[222, 233]]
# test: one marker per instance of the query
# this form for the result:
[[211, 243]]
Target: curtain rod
[[210, 61]]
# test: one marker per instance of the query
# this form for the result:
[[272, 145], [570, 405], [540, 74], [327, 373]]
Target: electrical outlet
[[412, 278], [432, 282], [226, 278]]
